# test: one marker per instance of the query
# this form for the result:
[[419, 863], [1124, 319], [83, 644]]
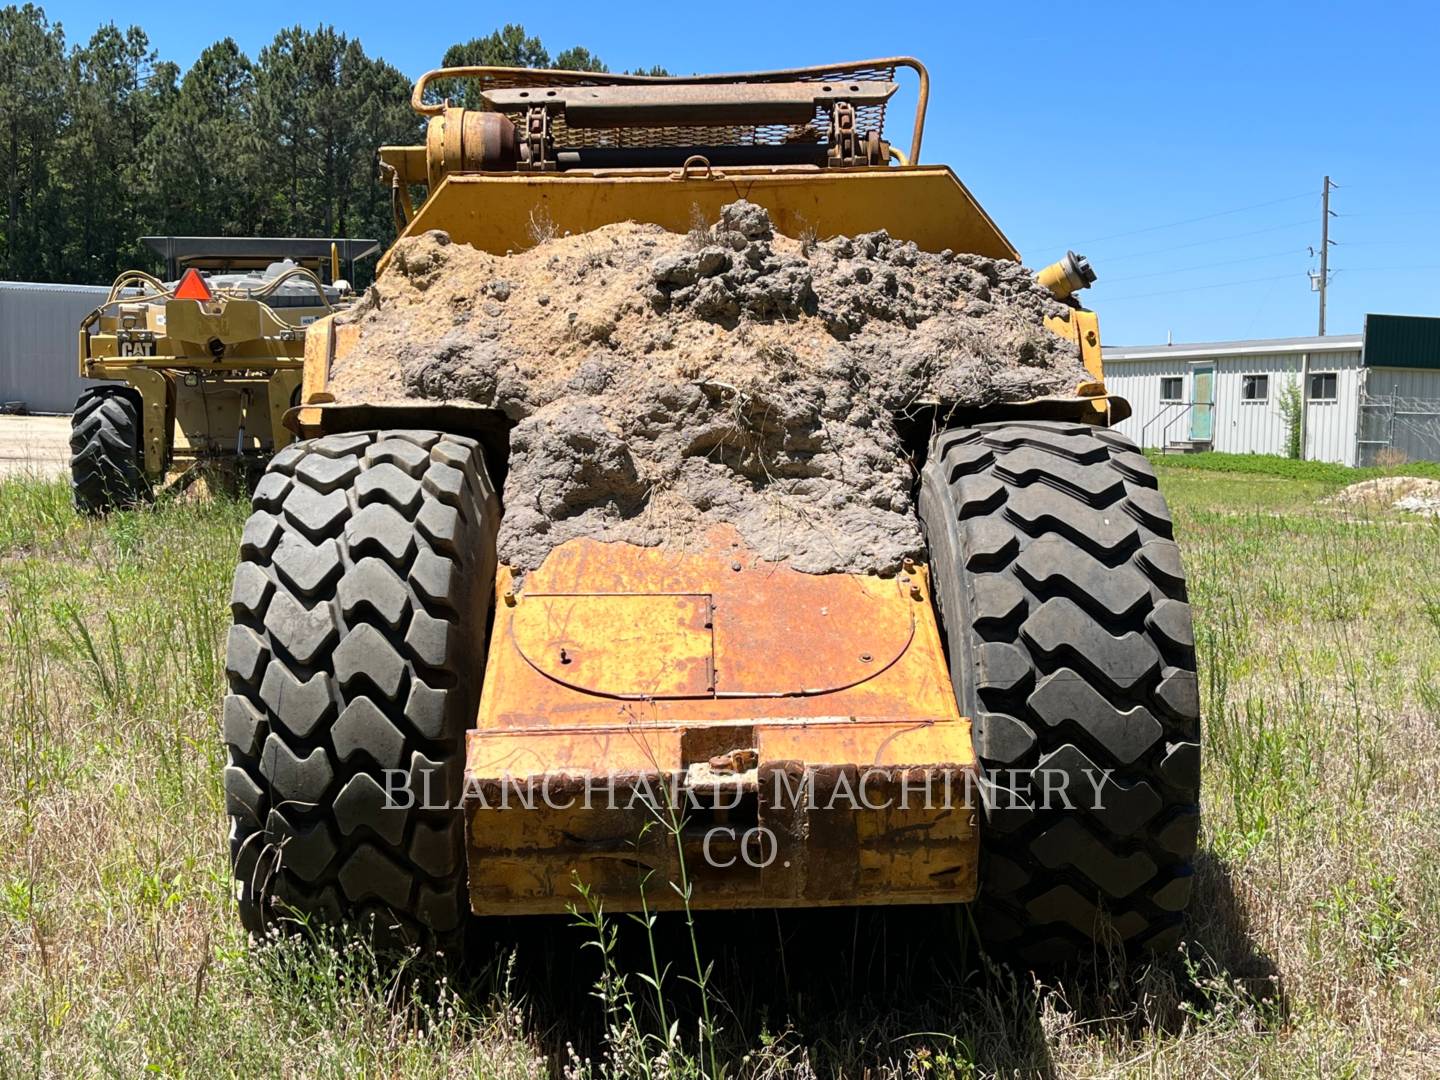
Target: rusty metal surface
[[777, 633], [780, 700], [654, 645], [527, 861], [691, 104], [880, 69]]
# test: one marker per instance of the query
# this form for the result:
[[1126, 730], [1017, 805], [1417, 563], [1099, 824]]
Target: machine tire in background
[[356, 650], [106, 459], [1063, 601]]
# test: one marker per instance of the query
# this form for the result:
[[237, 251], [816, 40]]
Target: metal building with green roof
[[1364, 398]]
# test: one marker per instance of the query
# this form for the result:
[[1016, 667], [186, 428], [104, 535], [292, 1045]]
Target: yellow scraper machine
[[416, 733], [199, 367]]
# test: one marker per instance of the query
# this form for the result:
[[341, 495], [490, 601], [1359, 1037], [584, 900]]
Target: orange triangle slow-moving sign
[[193, 287]]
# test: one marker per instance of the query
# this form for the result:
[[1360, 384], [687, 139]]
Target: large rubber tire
[[106, 467], [360, 606], [1063, 601]]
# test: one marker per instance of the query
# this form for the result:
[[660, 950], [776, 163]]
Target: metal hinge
[[844, 140], [847, 145], [537, 153]]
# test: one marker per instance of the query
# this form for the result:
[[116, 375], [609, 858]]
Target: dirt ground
[[34, 445]]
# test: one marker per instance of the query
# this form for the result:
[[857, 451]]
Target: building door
[[1202, 394]]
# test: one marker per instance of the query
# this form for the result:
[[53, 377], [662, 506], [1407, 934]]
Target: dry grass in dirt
[[1313, 948], [663, 384]]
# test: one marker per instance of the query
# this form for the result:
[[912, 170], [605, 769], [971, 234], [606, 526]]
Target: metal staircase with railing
[[1168, 416]]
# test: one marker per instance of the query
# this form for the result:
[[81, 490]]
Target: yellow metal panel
[[894, 743], [896, 730], [857, 617], [623, 750], [319, 355], [916, 683], [229, 321], [495, 212], [1083, 328], [630, 645], [844, 837], [155, 395], [407, 161]]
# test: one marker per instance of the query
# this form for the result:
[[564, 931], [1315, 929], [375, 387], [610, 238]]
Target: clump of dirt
[[663, 383]]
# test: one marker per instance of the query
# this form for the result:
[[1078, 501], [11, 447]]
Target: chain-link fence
[[1395, 429]]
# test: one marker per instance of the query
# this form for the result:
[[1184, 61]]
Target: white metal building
[[1362, 393], [39, 355]]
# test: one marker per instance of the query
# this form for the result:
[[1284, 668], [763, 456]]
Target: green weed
[[1308, 949]]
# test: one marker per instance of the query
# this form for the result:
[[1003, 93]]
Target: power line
[[1406, 270], [1406, 215], [1195, 288], [1371, 243], [1192, 221], [1202, 243], [1203, 266], [1263, 303]]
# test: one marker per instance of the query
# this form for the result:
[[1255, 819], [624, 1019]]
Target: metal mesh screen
[[1394, 429], [815, 132]]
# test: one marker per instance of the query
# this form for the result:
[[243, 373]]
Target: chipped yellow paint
[[679, 662]]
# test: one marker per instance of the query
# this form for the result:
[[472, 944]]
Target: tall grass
[[1311, 949]]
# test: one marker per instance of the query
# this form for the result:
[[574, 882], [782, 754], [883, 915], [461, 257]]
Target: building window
[[1171, 387], [1322, 386], [1255, 388]]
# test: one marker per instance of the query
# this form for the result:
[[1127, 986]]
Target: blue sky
[[1098, 127]]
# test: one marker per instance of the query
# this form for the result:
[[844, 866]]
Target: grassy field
[[1314, 947]]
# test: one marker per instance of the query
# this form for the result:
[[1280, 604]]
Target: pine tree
[[32, 105], [107, 142], [111, 105], [207, 149], [322, 110]]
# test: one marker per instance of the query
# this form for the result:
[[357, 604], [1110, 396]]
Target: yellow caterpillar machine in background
[[378, 649], [203, 368]]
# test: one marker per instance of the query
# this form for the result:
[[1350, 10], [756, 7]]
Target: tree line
[[103, 142]]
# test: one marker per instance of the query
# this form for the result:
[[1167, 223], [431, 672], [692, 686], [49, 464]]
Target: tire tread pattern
[[1063, 600], [106, 470], [343, 663]]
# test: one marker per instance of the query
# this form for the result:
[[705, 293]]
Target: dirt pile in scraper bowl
[[663, 383]]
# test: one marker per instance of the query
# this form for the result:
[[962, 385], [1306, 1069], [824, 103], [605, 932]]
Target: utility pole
[[1324, 248]]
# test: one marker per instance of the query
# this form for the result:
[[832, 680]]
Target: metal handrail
[[1167, 406], [1170, 420], [1165, 433]]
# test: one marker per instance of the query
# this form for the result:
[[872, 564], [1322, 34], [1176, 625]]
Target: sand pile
[[1413, 494], [662, 383]]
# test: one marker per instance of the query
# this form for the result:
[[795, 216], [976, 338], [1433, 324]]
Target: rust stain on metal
[[634, 645], [803, 726]]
